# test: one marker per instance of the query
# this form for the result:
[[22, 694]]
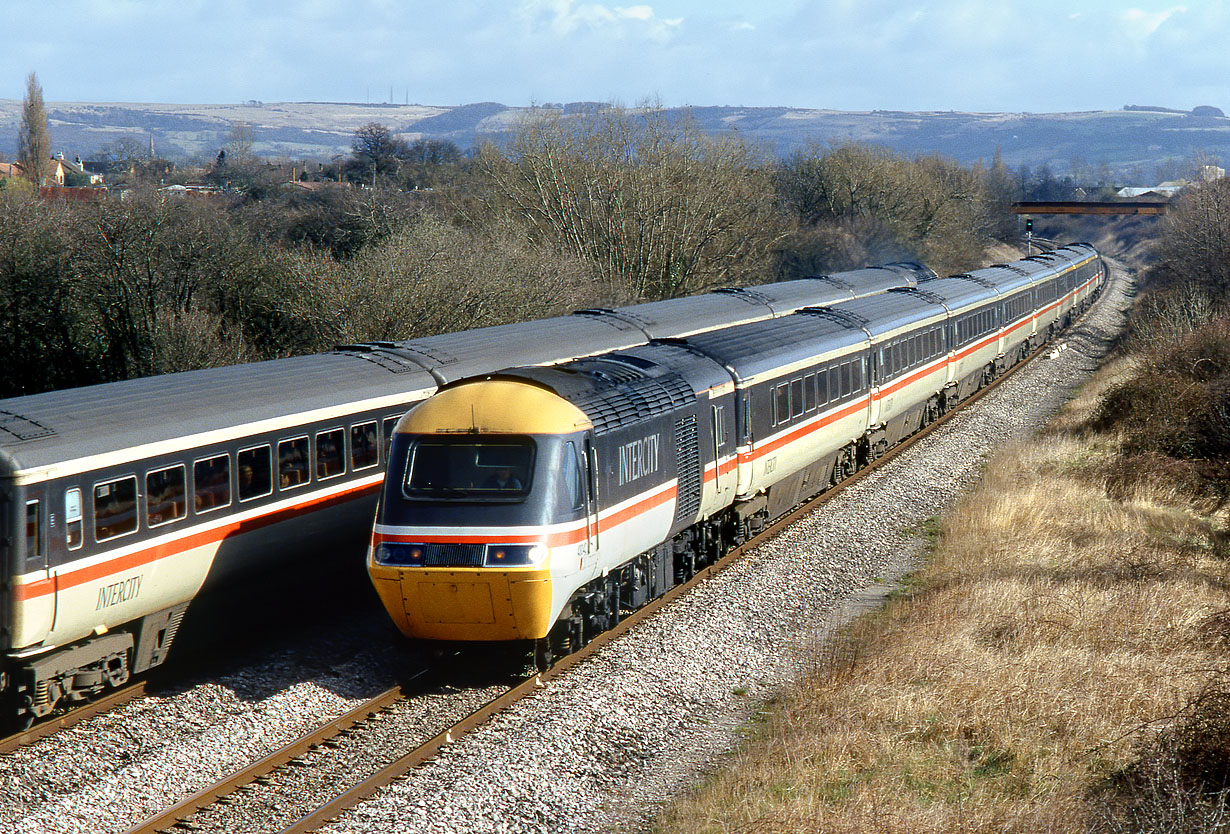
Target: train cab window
[[364, 445], [165, 495], [809, 392], [211, 483], [781, 404], [796, 397], [73, 525], [255, 472], [34, 532], [293, 462], [574, 483], [115, 508], [389, 424], [330, 454]]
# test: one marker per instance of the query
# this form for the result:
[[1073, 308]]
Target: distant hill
[[1137, 135]]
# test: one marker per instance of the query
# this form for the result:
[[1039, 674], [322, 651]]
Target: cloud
[[565, 18], [1140, 25]]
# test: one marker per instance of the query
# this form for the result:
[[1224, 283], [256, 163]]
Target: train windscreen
[[468, 469]]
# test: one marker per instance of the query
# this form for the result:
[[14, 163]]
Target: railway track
[[54, 725], [350, 729]]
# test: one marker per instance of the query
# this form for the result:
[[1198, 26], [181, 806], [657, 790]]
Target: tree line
[[611, 206]]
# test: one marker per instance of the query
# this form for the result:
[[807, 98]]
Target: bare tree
[[1195, 240], [376, 151], [655, 207], [33, 141], [930, 207], [432, 277]]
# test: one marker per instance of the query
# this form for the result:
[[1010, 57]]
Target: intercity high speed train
[[538, 503], [121, 503]]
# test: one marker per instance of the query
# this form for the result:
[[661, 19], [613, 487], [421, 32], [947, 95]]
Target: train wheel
[[544, 654]]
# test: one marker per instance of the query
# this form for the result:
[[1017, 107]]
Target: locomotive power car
[[536, 504], [121, 503]]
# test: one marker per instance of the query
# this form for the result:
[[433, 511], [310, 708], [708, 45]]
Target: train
[[535, 505], [121, 504]]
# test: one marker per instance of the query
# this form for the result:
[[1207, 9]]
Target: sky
[[974, 55]]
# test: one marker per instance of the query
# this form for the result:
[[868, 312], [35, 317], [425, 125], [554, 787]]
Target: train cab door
[[591, 497]]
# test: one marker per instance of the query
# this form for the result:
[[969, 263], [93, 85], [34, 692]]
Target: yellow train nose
[[452, 604]]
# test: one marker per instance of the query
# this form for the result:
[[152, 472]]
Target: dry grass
[[1051, 638]]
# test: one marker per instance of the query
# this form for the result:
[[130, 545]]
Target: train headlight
[[515, 555], [391, 553]]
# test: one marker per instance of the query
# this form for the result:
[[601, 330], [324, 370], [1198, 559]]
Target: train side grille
[[453, 555]]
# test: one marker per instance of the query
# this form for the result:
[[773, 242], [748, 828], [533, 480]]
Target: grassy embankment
[[1059, 664]]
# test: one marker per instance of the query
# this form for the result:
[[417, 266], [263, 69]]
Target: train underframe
[[37, 686]]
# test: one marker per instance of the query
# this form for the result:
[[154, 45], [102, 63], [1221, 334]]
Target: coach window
[[72, 519], [255, 472], [781, 404], [166, 495], [211, 483], [845, 379], [364, 447], [809, 391], [330, 454], [34, 532], [293, 456], [822, 387], [796, 397], [115, 508]]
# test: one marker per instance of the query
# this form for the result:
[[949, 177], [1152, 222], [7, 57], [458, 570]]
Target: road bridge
[[1081, 207]]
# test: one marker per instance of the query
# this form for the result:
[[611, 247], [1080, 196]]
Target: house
[[1157, 192], [74, 171]]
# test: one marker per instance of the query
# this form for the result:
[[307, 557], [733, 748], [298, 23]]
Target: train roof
[[764, 346], [624, 388], [675, 317], [955, 293], [1003, 277], [452, 356], [44, 429], [885, 313]]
